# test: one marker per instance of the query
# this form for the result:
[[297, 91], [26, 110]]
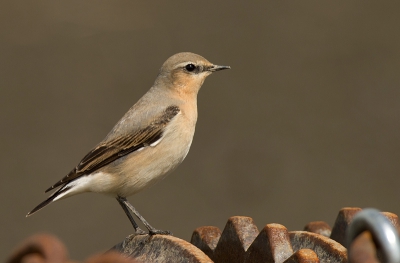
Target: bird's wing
[[108, 151]]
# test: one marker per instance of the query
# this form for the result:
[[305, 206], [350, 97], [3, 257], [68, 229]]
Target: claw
[[159, 232], [139, 231]]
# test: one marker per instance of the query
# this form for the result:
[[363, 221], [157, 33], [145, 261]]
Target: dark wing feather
[[108, 152]]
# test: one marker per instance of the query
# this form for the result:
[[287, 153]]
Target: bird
[[146, 144]]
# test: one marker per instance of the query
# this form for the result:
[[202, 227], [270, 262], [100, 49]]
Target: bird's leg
[[152, 230], [138, 230]]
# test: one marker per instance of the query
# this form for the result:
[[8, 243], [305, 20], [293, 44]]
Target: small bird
[[150, 140]]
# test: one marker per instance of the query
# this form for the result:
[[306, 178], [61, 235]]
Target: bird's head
[[186, 72]]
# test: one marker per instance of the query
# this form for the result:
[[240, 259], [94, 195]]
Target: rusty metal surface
[[327, 250], [342, 222], [41, 248], [110, 257], [240, 241], [363, 250], [319, 227], [206, 239], [161, 248], [44, 248], [271, 245], [303, 256], [238, 234]]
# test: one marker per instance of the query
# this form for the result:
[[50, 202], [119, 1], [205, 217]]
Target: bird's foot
[[139, 231], [159, 232]]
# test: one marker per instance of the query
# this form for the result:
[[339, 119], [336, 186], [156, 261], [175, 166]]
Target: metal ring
[[383, 232]]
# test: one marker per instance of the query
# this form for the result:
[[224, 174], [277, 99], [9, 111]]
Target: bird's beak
[[214, 68]]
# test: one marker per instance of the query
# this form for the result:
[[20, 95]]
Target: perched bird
[[150, 140]]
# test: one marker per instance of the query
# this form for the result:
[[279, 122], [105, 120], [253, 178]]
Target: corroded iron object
[[271, 245], [241, 242], [303, 256], [109, 257], [41, 248], [44, 248], [206, 239], [363, 249], [319, 227], [327, 250], [238, 234], [160, 248], [342, 223]]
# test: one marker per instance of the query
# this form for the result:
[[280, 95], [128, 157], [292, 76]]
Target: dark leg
[[135, 226], [152, 230]]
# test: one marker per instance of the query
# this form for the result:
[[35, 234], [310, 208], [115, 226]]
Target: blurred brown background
[[306, 122]]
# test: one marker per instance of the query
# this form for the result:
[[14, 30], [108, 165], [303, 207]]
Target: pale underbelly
[[147, 167]]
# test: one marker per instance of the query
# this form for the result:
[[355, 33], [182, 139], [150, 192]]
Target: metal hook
[[382, 230]]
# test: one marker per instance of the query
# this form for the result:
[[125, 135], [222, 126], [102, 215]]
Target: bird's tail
[[49, 200]]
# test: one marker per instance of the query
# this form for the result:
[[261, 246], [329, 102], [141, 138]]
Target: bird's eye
[[190, 67]]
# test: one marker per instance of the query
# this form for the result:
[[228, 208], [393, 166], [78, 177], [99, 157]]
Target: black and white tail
[[49, 200]]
